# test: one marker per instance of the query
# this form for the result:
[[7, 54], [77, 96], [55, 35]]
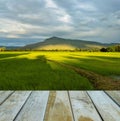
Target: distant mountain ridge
[[56, 43]]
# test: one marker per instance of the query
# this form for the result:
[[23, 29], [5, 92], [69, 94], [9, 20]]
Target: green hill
[[55, 43]]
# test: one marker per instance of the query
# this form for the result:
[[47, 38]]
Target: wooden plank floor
[[59, 105]]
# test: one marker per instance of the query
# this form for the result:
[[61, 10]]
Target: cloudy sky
[[93, 20]]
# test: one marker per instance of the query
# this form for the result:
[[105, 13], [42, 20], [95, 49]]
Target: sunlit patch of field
[[37, 70], [57, 47], [102, 63]]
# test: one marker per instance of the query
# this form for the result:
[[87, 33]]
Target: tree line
[[115, 48]]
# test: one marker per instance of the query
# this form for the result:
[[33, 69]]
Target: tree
[[117, 48], [103, 50], [111, 49]]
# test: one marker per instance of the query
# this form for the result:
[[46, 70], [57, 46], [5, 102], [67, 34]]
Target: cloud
[[50, 4], [80, 19]]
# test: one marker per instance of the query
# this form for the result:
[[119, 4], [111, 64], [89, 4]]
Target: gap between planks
[[83, 108], [4, 95], [34, 109], [107, 108], [10, 108]]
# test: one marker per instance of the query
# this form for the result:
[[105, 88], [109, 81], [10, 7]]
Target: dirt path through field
[[98, 81]]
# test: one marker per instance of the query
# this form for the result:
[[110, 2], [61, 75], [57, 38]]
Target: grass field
[[59, 70]]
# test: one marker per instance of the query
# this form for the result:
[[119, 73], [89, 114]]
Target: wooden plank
[[4, 95], [115, 95], [108, 109], [35, 107], [82, 106], [10, 108], [58, 108]]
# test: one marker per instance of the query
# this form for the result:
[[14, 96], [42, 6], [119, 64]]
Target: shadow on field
[[29, 74], [101, 65], [97, 69], [4, 55]]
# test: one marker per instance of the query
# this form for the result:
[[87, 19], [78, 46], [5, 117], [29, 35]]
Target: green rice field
[[47, 70]]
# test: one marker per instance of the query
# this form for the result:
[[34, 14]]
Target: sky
[[26, 21]]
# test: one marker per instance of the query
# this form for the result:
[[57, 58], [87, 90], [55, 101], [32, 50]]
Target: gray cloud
[[94, 20]]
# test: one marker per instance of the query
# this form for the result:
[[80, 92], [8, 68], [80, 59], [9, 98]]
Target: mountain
[[55, 43]]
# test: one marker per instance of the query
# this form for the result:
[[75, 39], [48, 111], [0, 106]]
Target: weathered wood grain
[[82, 106], [27, 106], [58, 108], [4, 95], [10, 108], [35, 107], [109, 110], [115, 95]]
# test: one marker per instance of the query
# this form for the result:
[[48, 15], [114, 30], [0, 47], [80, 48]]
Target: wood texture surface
[[109, 110], [4, 95], [83, 109], [115, 95], [58, 108], [35, 107], [10, 108]]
